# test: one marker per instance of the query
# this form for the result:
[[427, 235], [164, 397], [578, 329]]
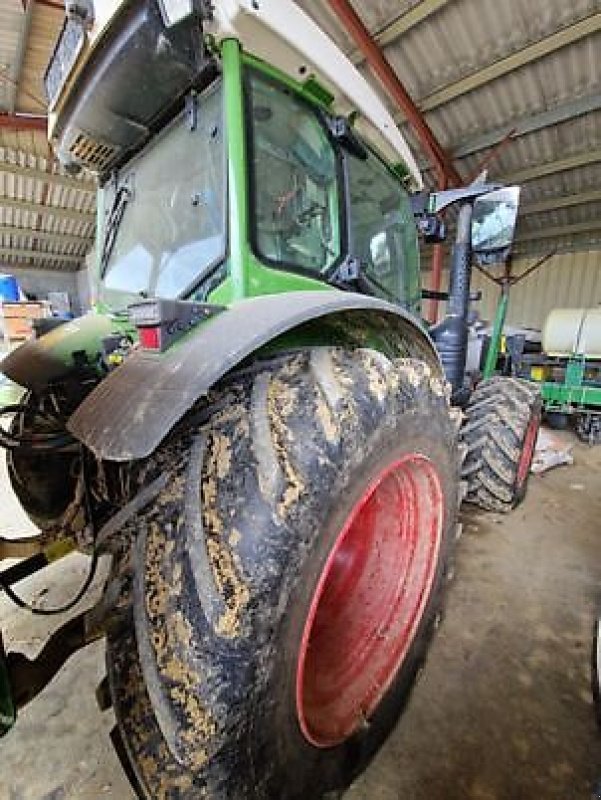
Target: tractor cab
[[222, 176]]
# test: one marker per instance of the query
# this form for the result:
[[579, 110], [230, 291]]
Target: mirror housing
[[494, 221]]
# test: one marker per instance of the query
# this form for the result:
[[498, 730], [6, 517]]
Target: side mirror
[[493, 223]]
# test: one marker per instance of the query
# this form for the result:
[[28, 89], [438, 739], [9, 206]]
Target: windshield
[[164, 225]]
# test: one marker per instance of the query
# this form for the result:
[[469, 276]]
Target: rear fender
[[131, 411]]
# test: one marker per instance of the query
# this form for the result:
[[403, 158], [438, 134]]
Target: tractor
[[254, 424]]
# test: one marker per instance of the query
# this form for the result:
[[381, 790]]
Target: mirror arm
[[438, 201]]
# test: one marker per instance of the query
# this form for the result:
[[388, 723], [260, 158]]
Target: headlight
[[175, 11]]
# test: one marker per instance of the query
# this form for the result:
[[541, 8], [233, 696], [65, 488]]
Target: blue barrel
[[9, 289]]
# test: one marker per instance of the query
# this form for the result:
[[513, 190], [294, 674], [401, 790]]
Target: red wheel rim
[[527, 450], [369, 600]]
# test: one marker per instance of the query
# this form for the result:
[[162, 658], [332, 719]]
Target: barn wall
[[38, 282], [566, 280]]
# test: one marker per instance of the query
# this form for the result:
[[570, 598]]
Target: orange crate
[[17, 328]]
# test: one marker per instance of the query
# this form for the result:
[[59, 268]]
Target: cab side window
[[295, 199], [383, 234]]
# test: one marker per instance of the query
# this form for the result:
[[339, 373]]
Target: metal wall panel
[[566, 280]]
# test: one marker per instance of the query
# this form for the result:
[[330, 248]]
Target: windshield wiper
[[122, 197]]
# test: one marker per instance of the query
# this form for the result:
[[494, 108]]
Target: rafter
[[564, 201], [51, 177], [20, 55], [47, 236], [530, 124], [526, 55], [552, 167], [591, 226], [56, 211], [402, 24], [38, 255]]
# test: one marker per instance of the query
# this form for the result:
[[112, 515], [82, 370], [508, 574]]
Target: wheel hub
[[369, 600]]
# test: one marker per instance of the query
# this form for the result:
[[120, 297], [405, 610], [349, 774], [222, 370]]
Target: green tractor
[[254, 424]]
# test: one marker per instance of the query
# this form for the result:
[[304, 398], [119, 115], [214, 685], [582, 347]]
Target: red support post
[[445, 170], [58, 6], [23, 122]]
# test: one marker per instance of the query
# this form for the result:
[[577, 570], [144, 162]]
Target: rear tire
[[500, 428], [237, 550]]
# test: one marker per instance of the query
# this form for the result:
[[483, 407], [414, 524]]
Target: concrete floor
[[503, 710]]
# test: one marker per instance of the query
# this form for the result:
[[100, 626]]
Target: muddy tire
[[322, 496], [499, 431], [152, 770]]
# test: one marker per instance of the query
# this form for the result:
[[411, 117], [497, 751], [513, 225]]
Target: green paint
[[574, 392], [320, 98], [81, 334], [237, 167], [265, 280], [318, 92], [494, 346], [575, 372], [559, 394]]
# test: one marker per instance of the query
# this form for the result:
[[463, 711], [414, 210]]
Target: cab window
[[295, 196], [383, 234]]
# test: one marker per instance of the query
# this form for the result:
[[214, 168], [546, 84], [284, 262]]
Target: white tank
[[573, 331]]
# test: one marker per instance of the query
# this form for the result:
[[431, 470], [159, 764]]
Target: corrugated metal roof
[[43, 224], [555, 46]]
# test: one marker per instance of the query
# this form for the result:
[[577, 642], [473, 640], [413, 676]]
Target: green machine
[[568, 370]]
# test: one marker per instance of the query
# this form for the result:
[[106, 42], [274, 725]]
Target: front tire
[[293, 572], [501, 425]]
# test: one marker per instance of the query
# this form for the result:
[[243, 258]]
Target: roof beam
[[532, 52], [552, 167], [50, 177], [20, 55], [394, 30], [46, 236], [55, 4], [560, 230], [56, 211], [565, 201], [38, 255], [23, 122], [530, 124]]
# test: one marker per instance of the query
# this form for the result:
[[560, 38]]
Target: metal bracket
[[192, 110], [347, 272]]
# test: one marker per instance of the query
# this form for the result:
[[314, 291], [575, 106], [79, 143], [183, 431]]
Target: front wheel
[[293, 572], [500, 429]]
